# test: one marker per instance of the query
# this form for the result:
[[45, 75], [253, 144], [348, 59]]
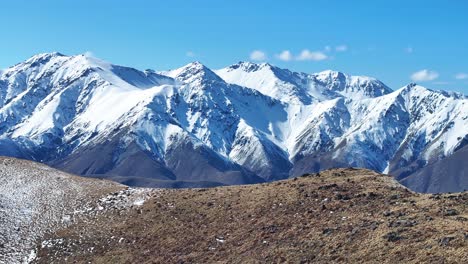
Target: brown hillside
[[341, 215]]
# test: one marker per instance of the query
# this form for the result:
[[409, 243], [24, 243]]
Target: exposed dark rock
[[450, 212], [392, 236], [387, 213], [403, 223], [327, 231], [445, 241], [328, 186]]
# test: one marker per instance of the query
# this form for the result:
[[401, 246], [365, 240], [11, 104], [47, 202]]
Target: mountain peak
[[419, 89], [350, 85], [247, 66], [43, 57], [192, 72], [414, 87], [330, 74], [48, 55], [196, 64], [192, 66]]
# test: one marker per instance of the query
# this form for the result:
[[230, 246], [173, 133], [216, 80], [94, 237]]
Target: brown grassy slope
[[342, 215]]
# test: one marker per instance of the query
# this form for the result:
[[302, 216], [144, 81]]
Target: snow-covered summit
[[245, 66], [289, 86], [277, 83], [191, 72], [38, 58], [351, 86]]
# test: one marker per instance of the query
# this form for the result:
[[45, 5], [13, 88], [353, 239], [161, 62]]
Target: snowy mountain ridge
[[242, 124]]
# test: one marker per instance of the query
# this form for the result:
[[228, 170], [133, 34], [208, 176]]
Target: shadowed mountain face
[[446, 175], [246, 123]]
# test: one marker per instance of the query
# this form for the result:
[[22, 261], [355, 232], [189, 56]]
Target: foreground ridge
[[339, 215]]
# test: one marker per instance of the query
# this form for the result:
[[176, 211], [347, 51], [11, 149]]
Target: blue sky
[[394, 41]]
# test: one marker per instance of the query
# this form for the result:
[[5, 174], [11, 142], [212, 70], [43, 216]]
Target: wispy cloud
[[88, 54], [190, 54], [285, 55], [341, 48], [258, 55], [461, 76], [424, 75], [409, 50], [307, 55]]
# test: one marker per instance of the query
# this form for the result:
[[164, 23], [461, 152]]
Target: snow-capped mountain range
[[242, 124]]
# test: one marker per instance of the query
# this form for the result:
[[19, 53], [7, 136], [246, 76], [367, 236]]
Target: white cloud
[[312, 55], [341, 48], [190, 54], [424, 75], [258, 55], [409, 50], [88, 54], [461, 76], [285, 55]]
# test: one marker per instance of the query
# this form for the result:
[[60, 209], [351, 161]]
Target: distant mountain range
[[246, 123]]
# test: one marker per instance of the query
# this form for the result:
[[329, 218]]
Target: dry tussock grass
[[337, 216]]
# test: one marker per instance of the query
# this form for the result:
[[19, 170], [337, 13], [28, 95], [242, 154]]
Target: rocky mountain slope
[[247, 123], [358, 121], [336, 216], [36, 199]]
